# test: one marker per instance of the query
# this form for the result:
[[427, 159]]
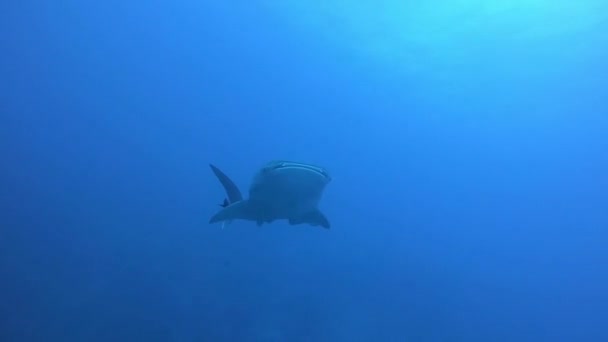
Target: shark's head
[[305, 173]]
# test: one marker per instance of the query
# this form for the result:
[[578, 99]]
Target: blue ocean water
[[467, 141]]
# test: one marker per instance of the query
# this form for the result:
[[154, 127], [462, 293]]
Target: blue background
[[467, 141]]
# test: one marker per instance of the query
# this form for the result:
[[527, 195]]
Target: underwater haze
[[467, 142]]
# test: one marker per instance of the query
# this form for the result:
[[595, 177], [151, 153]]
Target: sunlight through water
[[416, 34]]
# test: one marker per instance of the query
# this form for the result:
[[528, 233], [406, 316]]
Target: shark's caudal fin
[[232, 191], [314, 218], [239, 210]]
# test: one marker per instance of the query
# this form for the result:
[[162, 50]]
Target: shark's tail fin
[[233, 192]]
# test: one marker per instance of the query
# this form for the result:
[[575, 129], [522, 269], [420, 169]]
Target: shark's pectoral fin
[[239, 210], [225, 223], [314, 218]]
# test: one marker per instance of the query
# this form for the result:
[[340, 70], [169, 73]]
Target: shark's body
[[280, 190]]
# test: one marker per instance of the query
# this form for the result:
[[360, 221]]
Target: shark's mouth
[[283, 165]]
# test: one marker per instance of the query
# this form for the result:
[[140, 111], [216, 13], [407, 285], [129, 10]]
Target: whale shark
[[280, 190]]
